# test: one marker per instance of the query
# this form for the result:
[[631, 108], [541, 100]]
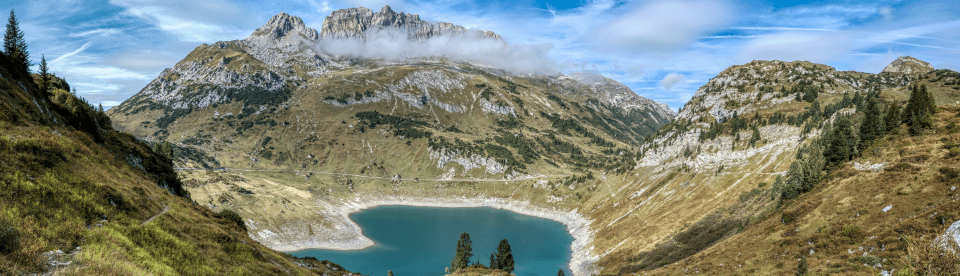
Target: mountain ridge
[[356, 22]]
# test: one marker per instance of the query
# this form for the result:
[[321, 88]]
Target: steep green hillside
[[78, 198]]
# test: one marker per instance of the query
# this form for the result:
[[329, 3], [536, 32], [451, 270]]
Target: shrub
[[949, 174], [954, 152], [232, 216], [850, 231], [868, 260], [9, 237]]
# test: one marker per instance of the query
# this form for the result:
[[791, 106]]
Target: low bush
[[232, 216], [850, 231], [9, 237]]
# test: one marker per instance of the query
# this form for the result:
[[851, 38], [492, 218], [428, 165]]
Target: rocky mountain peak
[[908, 65], [355, 22], [283, 24]]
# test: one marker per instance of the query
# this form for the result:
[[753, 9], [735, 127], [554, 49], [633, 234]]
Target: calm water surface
[[422, 241]]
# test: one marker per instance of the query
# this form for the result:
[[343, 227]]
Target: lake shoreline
[[582, 261]]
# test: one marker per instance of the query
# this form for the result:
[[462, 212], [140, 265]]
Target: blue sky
[[663, 50]]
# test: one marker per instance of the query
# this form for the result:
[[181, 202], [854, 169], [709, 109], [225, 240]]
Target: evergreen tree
[[755, 137], [843, 142], [892, 120], [44, 76], [560, 273], [872, 126], [812, 165], [931, 102], [920, 108], [15, 46], [493, 261], [462, 258], [504, 256]]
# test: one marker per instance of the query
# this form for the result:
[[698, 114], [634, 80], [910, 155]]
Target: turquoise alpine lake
[[415, 241]]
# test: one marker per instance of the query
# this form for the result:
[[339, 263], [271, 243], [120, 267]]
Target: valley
[[624, 174]]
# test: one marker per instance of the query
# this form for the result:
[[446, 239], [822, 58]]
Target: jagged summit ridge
[[355, 22], [283, 24], [908, 65]]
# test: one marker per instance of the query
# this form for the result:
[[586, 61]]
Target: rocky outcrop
[[908, 65], [355, 22], [950, 240], [475, 161]]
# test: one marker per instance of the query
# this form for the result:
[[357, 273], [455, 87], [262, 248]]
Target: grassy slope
[[89, 194], [842, 220]]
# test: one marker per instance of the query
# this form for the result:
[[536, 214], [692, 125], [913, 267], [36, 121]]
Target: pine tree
[[872, 126], [931, 102], [914, 123], [842, 144], [462, 258], [560, 273], [755, 137], [504, 256], [892, 120], [15, 46], [493, 261], [920, 108], [44, 76]]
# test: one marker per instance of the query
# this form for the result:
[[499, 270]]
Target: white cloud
[[96, 32], [394, 45], [87, 88], [70, 54], [102, 73], [191, 21], [672, 79], [662, 26]]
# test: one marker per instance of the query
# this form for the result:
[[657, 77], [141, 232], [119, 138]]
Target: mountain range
[[291, 135]]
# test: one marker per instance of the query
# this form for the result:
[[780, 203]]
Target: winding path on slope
[[165, 209], [385, 178]]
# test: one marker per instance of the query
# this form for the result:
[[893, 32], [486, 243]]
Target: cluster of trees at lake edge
[[500, 260]]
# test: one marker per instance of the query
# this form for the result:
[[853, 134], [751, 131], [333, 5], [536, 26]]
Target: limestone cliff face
[[908, 65], [355, 22]]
